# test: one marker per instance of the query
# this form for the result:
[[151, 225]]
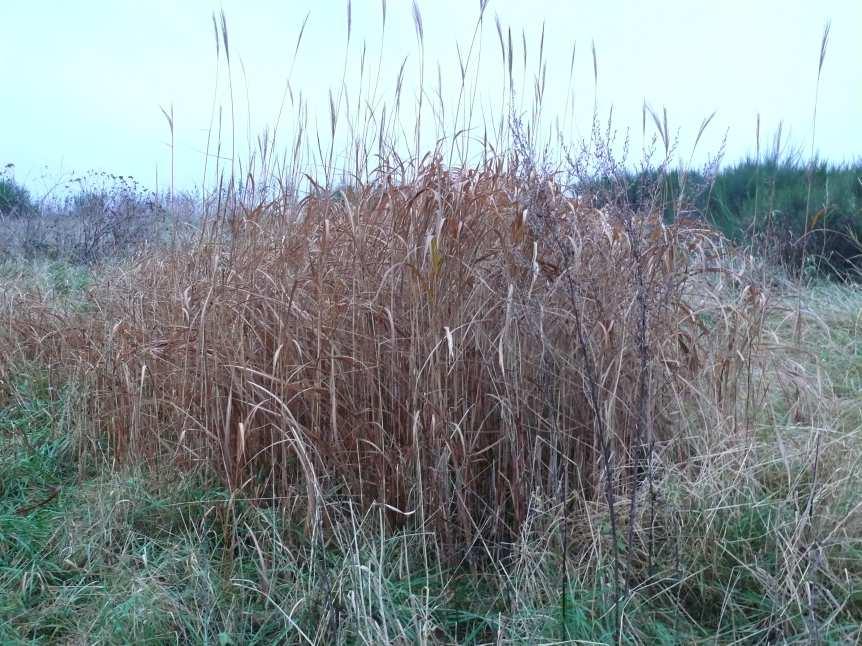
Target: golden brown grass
[[497, 412], [428, 345]]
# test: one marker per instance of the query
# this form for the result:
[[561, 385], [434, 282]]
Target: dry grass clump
[[449, 346]]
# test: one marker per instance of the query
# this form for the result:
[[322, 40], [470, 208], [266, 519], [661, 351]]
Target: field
[[247, 440], [506, 399]]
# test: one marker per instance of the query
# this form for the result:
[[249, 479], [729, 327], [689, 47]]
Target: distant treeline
[[807, 216]]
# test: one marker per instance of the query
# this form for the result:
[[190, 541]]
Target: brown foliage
[[411, 344]]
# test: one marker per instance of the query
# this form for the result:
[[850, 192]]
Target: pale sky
[[83, 82]]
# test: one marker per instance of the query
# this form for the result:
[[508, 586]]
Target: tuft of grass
[[474, 404], [745, 529], [447, 367], [134, 554]]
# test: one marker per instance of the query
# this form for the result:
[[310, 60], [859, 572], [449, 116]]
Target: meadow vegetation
[[508, 400], [806, 217]]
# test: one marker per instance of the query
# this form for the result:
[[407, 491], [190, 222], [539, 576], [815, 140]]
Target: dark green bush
[[14, 199], [802, 215], [805, 213]]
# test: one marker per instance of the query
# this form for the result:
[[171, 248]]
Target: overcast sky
[[83, 82]]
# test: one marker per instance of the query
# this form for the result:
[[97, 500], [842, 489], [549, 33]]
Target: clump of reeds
[[447, 345]]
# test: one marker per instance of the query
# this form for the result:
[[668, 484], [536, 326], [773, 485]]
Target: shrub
[[104, 216], [798, 215], [795, 211], [15, 200], [114, 217]]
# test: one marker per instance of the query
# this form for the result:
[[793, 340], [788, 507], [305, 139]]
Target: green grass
[[55, 279]]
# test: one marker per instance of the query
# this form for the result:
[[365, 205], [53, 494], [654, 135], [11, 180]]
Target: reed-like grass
[[752, 537], [453, 401], [447, 347]]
